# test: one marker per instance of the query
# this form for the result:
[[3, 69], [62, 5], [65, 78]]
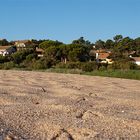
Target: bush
[[38, 65], [20, 56], [102, 68], [3, 59], [85, 66], [133, 66], [61, 65], [70, 65], [124, 65], [8, 65], [89, 66], [74, 65], [42, 64], [30, 57]]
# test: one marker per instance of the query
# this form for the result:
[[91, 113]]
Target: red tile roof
[[136, 58], [103, 55]]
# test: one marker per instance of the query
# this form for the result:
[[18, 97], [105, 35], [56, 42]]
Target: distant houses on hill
[[18, 46], [100, 55]]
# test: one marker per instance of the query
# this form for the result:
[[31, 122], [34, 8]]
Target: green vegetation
[[77, 57], [126, 74]]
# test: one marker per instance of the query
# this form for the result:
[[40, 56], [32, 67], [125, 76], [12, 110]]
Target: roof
[[103, 55], [103, 51], [4, 47], [132, 52], [136, 58], [39, 50]]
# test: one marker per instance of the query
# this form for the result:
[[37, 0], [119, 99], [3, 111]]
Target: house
[[3, 50], [7, 50], [136, 60], [22, 44], [39, 52], [102, 56]]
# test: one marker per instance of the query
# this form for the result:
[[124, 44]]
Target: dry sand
[[50, 106]]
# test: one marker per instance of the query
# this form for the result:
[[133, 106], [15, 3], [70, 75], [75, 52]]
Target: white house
[[6, 50], [136, 60], [3, 50], [102, 56], [22, 44], [40, 52]]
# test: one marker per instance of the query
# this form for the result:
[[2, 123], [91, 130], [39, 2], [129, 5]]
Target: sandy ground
[[50, 106]]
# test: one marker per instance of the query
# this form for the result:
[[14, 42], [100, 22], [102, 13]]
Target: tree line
[[80, 53]]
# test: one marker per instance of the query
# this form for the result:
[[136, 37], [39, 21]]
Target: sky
[[66, 20]]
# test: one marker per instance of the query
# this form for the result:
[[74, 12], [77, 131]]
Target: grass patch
[[127, 74]]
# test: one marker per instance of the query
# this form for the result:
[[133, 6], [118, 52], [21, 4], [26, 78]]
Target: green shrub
[[70, 65], [89, 66], [38, 65], [133, 66], [102, 68], [124, 65], [61, 65], [85, 66], [20, 56], [42, 64], [8, 65], [74, 65], [30, 57], [3, 59]]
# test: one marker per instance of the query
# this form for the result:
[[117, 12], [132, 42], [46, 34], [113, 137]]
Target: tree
[[137, 43], [109, 44], [4, 42], [100, 44], [78, 52], [49, 43], [126, 45], [82, 41], [63, 52], [19, 56], [51, 52], [118, 38]]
